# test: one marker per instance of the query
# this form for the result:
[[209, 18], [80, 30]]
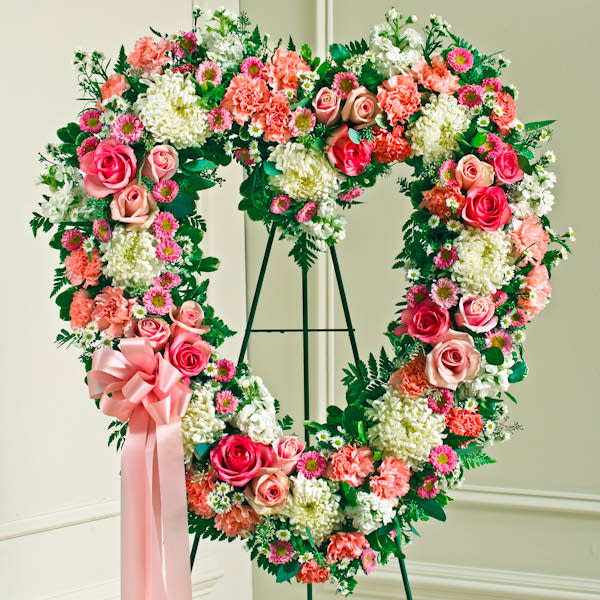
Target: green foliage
[[519, 372], [494, 356], [304, 252], [473, 456], [121, 65], [39, 222], [339, 53], [117, 432], [286, 571], [431, 507]]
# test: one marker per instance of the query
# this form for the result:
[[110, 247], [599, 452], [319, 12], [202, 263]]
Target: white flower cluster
[[219, 499], [491, 381], [533, 194], [484, 261], [370, 512], [68, 201], [434, 134], [200, 425], [170, 111], [328, 227], [405, 427], [130, 258], [312, 504], [389, 59], [223, 46]]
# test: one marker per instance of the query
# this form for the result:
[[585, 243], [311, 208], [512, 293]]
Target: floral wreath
[[311, 134]]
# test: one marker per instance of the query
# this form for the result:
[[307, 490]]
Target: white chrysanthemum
[[170, 111], [130, 258], [484, 261], [200, 425], [305, 173], [490, 381], [387, 58], [313, 505], [434, 134], [533, 194], [370, 512], [405, 427]]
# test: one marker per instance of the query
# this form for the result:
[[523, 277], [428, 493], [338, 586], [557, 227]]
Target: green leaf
[[519, 372], [202, 164], [349, 493], [494, 356], [432, 508], [287, 570], [479, 139], [539, 124], [271, 169], [202, 449], [197, 183], [361, 432], [524, 164], [339, 53], [210, 263], [335, 415], [354, 136], [182, 206]]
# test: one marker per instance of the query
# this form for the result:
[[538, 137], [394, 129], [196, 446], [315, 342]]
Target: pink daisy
[[242, 155], [446, 257], [447, 173], [302, 121], [492, 84], [102, 230], [208, 71], [127, 129], [90, 121], [88, 145], [443, 459], [344, 83], [165, 225], [367, 558], [280, 204], [416, 294], [444, 293], [165, 191], [492, 147], [225, 371], [352, 194], [167, 280], [518, 318], [311, 464], [157, 301], [187, 44], [253, 67], [429, 488], [226, 403], [72, 239], [186, 68], [168, 251], [281, 552], [499, 339], [441, 400], [470, 95], [307, 212], [499, 298], [219, 119], [460, 60]]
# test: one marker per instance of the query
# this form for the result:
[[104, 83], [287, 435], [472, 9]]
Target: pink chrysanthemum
[[165, 191], [187, 44], [441, 400], [444, 293], [499, 298], [167, 280], [443, 459], [209, 71], [281, 552], [344, 83], [470, 95], [446, 257], [352, 194], [429, 489], [447, 173], [242, 155], [367, 559], [102, 230], [157, 301], [165, 225], [252, 66], [219, 119], [311, 464], [72, 239], [280, 204], [225, 371], [90, 121], [88, 145], [492, 84], [186, 68], [416, 294], [492, 147], [302, 121], [127, 129], [460, 60], [499, 338], [168, 251], [307, 212], [226, 403], [518, 318]]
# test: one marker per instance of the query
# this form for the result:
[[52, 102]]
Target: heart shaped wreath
[[310, 134]]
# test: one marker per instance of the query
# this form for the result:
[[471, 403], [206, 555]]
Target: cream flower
[[370, 512]]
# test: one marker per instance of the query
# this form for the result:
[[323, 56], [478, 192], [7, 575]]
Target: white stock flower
[[258, 418], [370, 512]]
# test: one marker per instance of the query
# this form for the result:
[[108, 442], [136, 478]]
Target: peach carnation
[[392, 481], [237, 521], [197, 492], [346, 545], [464, 422], [81, 309], [530, 236], [350, 464], [115, 85], [399, 97], [149, 57], [282, 70], [244, 97], [436, 77], [436, 201], [390, 146], [537, 291], [312, 572], [274, 119], [81, 270], [509, 113], [113, 311], [410, 380]]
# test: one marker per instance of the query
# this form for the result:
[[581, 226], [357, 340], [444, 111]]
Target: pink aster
[[167, 280], [102, 230], [352, 194], [311, 464], [90, 121], [253, 67], [72, 239], [499, 298], [281, 552], [187, 44], [470, 95], [165, 225], [186, 68], [429, 489], [460, 60], [443, 459], [518, 318], [88, 145], [280, 204], [225, 371], [344, 83], [127, 129], [441, 400], [165, 191], [242, 155], [444, 293], [447, 173], [367, 559], [219, 119], [157, 301], [226, 403], [302, 121], [492, 147], [416, 294], [208, 71], [492, 84], [499, 338], [446, 257], [168, 251], [307, 212]]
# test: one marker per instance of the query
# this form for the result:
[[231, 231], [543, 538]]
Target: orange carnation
[[244, 97], [81, 309], [410, 380], [390, 146], [197, 493], [80, 269], [436, 201], [282, 70], [436, 77], [399, 97], [274, 119], [509, 113]]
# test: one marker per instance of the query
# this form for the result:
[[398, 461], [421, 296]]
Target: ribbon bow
[[143, 388]]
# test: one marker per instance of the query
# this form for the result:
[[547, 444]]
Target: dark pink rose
[[327, 106], [154, 329], [486, 208], [476, 313], [287, 451], [189, 353], [427, 322], [507, 166], [268, 491], [237, 459], [161, 163], [348, 157]]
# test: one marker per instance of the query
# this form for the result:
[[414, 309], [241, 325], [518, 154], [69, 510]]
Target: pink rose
[[472, 172], [427, 322], [161, 163], [267, 491], [327, 106], [360, 108], [476, 313], [187, 317], [154, 329], [453, 359], [507, 167], [487, 208], [107, 169], [189, 353], [287, 451], [115, 85], [135, 206], [237, 459], [348, 157]]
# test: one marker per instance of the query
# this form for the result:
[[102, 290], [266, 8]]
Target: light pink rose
[[476, 313], [453, 359], [154, 329], [287, 452], [267, 491], [360, 108], [327, 106], [472, 172], [161, 163], [135, 206], [189, 353], [187, 317]]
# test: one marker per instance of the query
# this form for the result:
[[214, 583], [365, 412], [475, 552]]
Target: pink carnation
[[83, 270], [410, 380], [351, 464], [312, 572], [399, 97], [197, 489], [113, 311], [508, 117], [238, 521], [346, 545], [149, 57], [393, 478], [283, 68], [274, 119], [81, 309], [436, 77], [465, 423], [390, 146], [529, 235], [537, 291], [244, 97]]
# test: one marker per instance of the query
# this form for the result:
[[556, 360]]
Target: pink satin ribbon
[[141, 387]]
